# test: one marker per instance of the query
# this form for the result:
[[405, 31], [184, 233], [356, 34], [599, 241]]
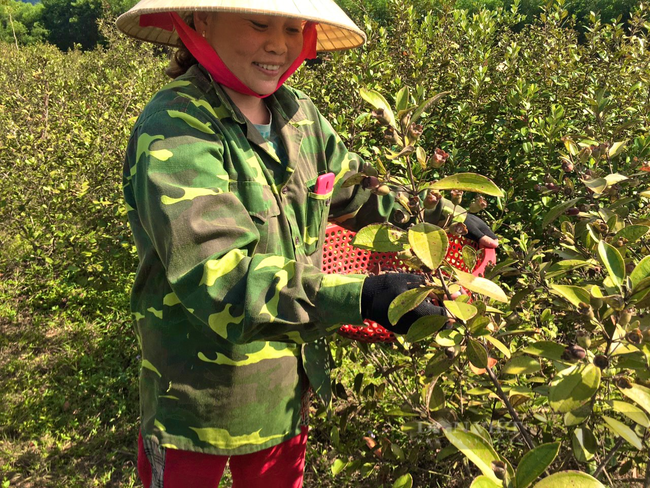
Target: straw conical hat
[[336, 31]]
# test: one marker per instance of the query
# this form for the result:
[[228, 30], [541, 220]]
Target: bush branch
[[619, 443], [513, 412]]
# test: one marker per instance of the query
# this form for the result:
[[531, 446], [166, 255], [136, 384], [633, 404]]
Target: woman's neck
[[253, 108]]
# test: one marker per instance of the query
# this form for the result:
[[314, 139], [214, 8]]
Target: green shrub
[[522, 106]]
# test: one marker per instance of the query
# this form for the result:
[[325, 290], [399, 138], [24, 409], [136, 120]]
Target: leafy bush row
[[560, 125]]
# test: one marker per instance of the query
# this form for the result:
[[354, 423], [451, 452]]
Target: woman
[[228, 214]]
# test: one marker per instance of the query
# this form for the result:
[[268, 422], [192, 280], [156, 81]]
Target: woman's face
[[258, 49]]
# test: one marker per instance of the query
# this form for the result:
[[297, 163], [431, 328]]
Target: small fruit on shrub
[[623, 383], [567, 167], [620, 242], [380, 115], [584, 338], [625, 316], [478, 204], [573, 211], [450, 352], [400, 217], [415, 130], [552, 187], [456, 196], [634, 336], [586, 310], [438, 159], [458, 228], [499, 469], [370, 182], [431, 200], [574, 353], [601, 227], [414, 203], [601, 361]]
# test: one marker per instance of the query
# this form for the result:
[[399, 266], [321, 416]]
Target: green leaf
[[574, 387], [632, 232], [404, 481], [423, 107], [477, 450], [481, 285], [338, 466], [616, 148], [499, 345], [578, 416], [484, 482], [638, 394], [613, 261], [468, 182], [429, 243], [521, 365], [469, 256], [597, 185], [631, 411], [355, 179], [558, 210], [380, 238], [614, 178], [574, 294], [407, 301], [619, 428], [569, 479], [378, 101], [641, 272], [438, 364], [449, 338], [583, 444], [535, 462], [402, 98], [565, 266], [460, 310], [477, 354], [425, 327], [545, 349]]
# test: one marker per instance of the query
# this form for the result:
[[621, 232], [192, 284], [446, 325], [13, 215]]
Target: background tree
[[72, 22], [21, 23]]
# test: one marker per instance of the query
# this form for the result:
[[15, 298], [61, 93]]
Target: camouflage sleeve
[[205, 239]]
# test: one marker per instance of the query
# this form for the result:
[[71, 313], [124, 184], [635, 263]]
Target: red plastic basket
[[339, 256]]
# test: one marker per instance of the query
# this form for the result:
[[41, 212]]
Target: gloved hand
[[480, 232], [380, 290]]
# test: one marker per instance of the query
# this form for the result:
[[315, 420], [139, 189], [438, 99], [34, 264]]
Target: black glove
[[476, 228], [379, 291]]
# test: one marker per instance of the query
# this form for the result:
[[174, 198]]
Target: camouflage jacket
[[230, 305]]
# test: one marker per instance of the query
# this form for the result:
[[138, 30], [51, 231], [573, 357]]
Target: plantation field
[[556, 115]]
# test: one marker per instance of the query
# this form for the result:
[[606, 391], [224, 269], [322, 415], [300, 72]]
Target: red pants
[[280, 466]]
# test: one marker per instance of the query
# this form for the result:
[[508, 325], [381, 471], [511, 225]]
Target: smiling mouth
[[268, 67]]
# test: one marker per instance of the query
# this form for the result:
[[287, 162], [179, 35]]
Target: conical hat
[[336, 31]]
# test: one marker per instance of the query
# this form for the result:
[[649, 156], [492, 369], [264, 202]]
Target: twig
[[513, 412], [608, 458], [14, 32], [444, 285]]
